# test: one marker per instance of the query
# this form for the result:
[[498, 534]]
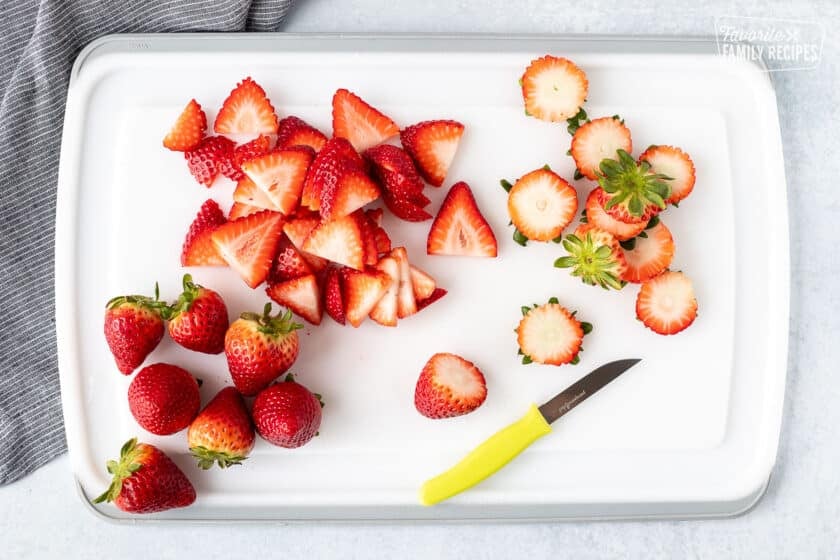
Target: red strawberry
[[666, 303], [405, 210], [288, 264], [632, 192], [383, 242], [259, 348], [287, 414], [385, 311], [541, 204], [598, 217], [422, 283], [353, 190], [366, 229], [133, 328], [675, 164], [396, 173], [280, 174], [246, 110], [375, 215], [301, 295], [436, 295], [594, 256], [362, 291], [223, 432], [549, 334], [651, 254], [459, 228], [206, 160], [432, 145], [449, 386], [360, 123], [297, 230], [406, 304], [339, 241], [293, 131], [554, 88], [247, 192], [240, 210], [232, 169], [249, 244], [145, 480], [598, 140], [199, 319], [333, 295], [331, 162], [163, 398], [198, 249], [188, 130]]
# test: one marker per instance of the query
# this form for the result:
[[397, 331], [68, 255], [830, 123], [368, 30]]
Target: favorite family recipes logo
[[778, 44]]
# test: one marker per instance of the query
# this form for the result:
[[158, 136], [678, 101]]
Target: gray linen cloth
[[39, 41]]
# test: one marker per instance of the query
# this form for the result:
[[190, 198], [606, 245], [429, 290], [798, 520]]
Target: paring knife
[[509, 442]]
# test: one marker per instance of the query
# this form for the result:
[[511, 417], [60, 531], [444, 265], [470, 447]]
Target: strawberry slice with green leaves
[[460, 228], [385, 311], [188, 130], [598, 217], [449, 386], [362, 291], [293, 131], [541, 205], [280, 175], [649, 254], [301, 295], [634, 193], [360, 123], [334, 295], [198, 248], [207, 159], [594, 256], [339, 241], [554, 88], [666, 303], [246, 110], [433, 145], [249, 244], [549, 334], [674, 164], [596, 141]]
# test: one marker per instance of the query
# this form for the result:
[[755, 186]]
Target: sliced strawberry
[[301, 295], [198, 249], [334, 159], [353, 190], [598, 140], [240, 210], [366, 228], [362, 291], [406, 304], [666, 303], [293, 131], [333, 295], [549, 334], [375, 215], [541, 204], [436, 295], [339, 241], [288, 263], [396, 174], [385, 311], [449, 386], [598, 217], [432, 145], [188, 129], [249, 244], [246, 110], [206, 160], [554, 88], [360, 123], [651, 254], [232, 169], [280, 176], [674, 163], [422, 283], [383, 242], [298, 229], [459, 228], [247, 192], [405, 210]]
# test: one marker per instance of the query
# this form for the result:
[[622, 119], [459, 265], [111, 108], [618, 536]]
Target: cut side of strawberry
[[301, 295], [232, 169], [406, 303], [288, 263], [188, 129], [334, 295], [541, 204], [449, 386], [280, 176], [383, 242], [292, 131], [298, 229], [422, 283], [651, 254], [247, 192], [198, 249], [206, 160], [339, 241], [436, 295], [249, 244], [549, 334], [360, 123], [385, 311], [598, 217], [332, 161], [666, 304], [598, 140], [675, 164], [554, 88], [240, 210], [353, 190], [366, 228], [246, 110], [432, 145], [459, 228], [362, 291]]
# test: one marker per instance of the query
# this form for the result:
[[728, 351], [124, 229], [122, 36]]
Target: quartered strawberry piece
[[246, 110], [362, 291], [280, 175], [554, 88], [298, 229], [188, 129], [436, 295], [198, 249], [598, 140], [288, 264], [676, 165], [666, 304], [360, 123], [353, 190], [293, 131], [651, 254], [206, 160], [549, 334], [334, 295], [232, 169], [541, 204], [405, 210], [301, 295], [366, 228], [396, 174], [339, 241], [383, 242], [459, 228], [598, 217], [247, 192], [336, 158], [406, 304], [432, 145], [249, 244], [449, 386], [385, 311], [240, 210], [375, 215], [422, 283]]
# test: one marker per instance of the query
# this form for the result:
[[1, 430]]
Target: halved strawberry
[[449, 386], [232, 169], [598, 217], [632, 192], [353, 190], [459, 228], [339, 241], [288, 263], [280, 175], [333, 295], [396, 174], [541, 204], [432, 145], [331, 162], [651, 254], [188, 129], [360, 123], [366, 228], [249, 244], [675, 164], [406, 304], [436, 295], [598, 140], [594, 256], [240, 210], [246, 110], [405, 209], [198, 249], [362, 291], [301, 295], [422, 283], [247, 192], [206, 160], [666, 303], [385, 311], [298, 229], [554, 88], [292, 131], [549, 334]]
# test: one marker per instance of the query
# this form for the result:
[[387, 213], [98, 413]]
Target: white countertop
[[41, 516]]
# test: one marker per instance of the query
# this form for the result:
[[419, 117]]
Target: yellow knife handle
[[487, 458]]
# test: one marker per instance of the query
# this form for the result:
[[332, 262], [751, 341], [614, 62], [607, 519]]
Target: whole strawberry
[[259, 348], [287, 414], [163, 398], [223, 432], [199, 319], [133, 328], [146, 481]]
